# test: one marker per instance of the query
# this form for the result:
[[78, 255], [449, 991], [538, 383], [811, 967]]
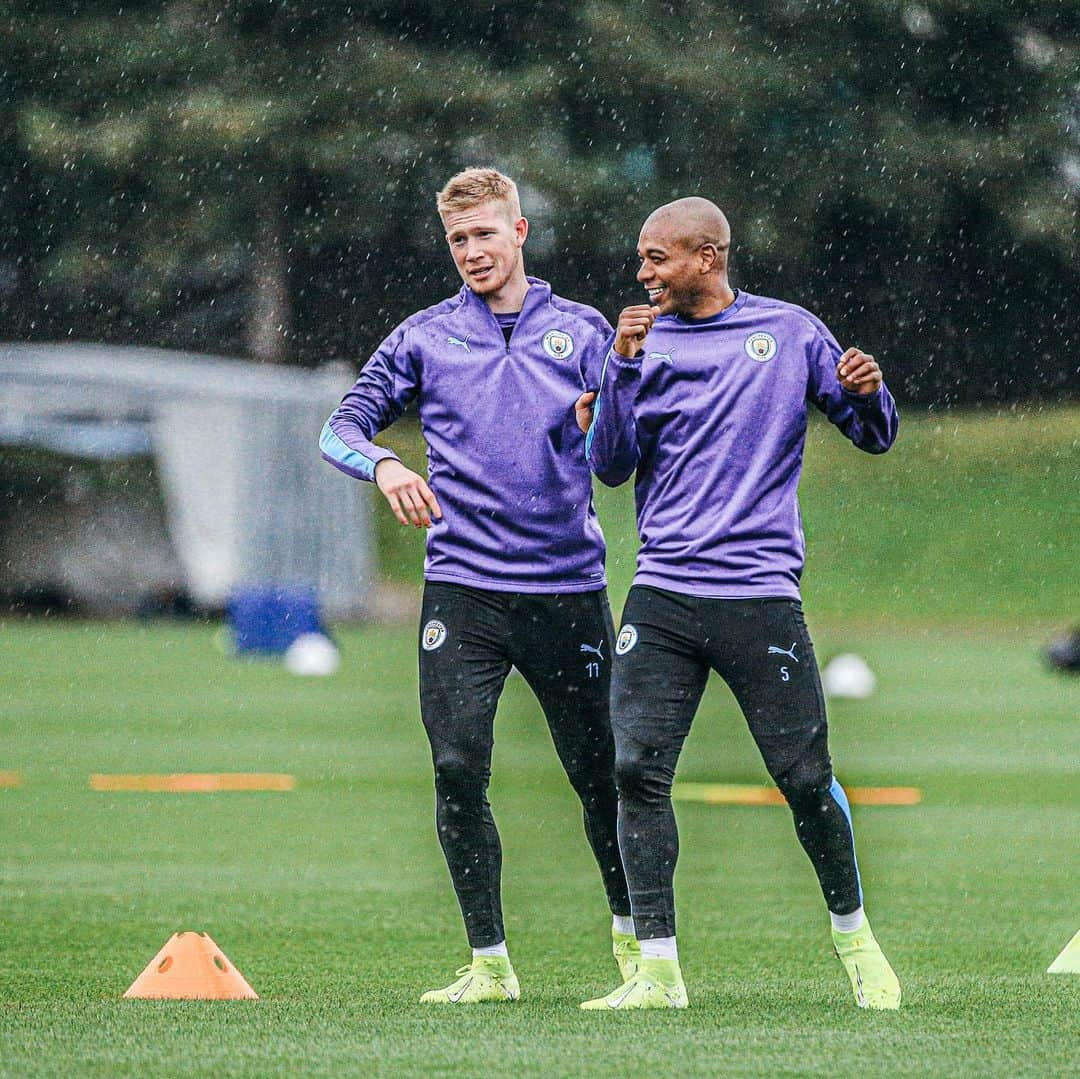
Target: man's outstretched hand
[[858, 372], [583, 411], [409, 495]]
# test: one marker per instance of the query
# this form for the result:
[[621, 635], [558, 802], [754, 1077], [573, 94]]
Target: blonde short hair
[[473, 187]]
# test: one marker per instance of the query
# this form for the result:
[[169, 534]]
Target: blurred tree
[[909, 171], [191, 146], [258, 176]]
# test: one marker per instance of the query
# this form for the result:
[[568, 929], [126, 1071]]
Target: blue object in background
[[268, 618]]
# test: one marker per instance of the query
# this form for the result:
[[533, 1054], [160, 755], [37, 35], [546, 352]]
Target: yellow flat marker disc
[[10, 779], [750, 794], [195, 782], [740, 794]]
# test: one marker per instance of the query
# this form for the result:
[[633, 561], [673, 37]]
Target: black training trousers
[[469, 639], [761, 648]]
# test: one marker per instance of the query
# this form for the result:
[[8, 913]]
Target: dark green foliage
[[910, 171]]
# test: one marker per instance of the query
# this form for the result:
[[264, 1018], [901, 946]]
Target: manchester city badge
[[558, 345], [760, 347]]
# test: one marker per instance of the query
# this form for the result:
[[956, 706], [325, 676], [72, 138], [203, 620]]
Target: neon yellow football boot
[[488, 978], [657, 983], [873, 981], [627, 951]]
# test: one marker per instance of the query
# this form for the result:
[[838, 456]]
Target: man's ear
[[521, 230], [709, 254]]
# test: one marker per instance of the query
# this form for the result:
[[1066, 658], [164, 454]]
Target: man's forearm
[[877, 418], [345, 445], [611, 446]]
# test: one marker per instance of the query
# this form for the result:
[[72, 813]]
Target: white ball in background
[[312, 654], [848, 676]]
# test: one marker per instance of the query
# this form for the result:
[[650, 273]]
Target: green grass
[[944, 563], [334, 902], [968, 515]]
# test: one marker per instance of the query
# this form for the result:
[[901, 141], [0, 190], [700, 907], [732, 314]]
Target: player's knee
[[457, 776], [642, 775], [806, 783]]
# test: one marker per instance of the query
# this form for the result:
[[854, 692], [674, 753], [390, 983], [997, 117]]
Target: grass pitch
[[333, 900], [946, 563]]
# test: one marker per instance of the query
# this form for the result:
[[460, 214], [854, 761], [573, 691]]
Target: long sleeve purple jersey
[[712, 415], [505, 455]]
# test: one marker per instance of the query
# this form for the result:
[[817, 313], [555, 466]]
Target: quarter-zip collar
[[537, 297]]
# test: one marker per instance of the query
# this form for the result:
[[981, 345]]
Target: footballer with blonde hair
[[514, 573]]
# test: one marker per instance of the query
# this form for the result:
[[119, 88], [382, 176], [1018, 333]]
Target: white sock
[[492, 949], [622, 923], [847, 923], [659, 948]]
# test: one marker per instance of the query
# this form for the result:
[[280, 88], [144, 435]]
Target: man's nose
[[644, 273]]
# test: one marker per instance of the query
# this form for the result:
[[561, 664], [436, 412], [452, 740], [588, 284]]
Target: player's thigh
[[562, 646], [463, 665], [658, 676], [763, 651]]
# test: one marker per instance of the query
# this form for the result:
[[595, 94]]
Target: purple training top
[[712, 415], [505, 455]]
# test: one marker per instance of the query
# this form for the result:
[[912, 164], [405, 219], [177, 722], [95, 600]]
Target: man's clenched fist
[[634, 323], [858, 372]]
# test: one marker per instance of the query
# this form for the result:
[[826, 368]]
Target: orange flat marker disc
[[195, 782], [10, 779], [885, 796], [190, 967], [749, 794]]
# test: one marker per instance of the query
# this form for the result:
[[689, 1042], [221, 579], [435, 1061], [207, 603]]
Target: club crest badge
[[760, 347], [627, 640], [558, 345], [434, 635]]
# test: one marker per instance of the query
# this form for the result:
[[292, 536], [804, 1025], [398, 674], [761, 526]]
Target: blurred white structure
[[848, 676], [235, 449]]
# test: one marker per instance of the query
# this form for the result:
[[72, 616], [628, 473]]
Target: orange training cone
[[190, 967]]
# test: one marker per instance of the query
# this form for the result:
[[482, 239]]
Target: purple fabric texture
[[712, 417], [506, 459]]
